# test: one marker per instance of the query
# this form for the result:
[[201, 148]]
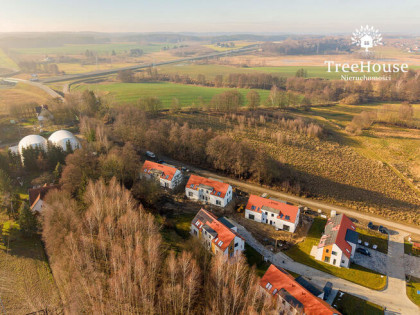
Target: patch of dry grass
[[26, 281]]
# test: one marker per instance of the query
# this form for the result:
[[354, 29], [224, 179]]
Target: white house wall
[[202, 195], [276, 222]]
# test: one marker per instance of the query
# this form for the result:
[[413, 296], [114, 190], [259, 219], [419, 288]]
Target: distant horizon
[[204, 33], [234, 16]]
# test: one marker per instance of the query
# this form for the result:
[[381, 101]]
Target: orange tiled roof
[[224, 234], [218, 187], [255, 203], [280, 279], [167, 172]]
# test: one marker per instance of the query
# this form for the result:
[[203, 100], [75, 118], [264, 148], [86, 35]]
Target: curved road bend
[[39, 85]]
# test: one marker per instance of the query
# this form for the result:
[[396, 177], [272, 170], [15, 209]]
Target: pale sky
[[276, 16]]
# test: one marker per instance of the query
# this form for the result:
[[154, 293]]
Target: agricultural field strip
[[142, 66]]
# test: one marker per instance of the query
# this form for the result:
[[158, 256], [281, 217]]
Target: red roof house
[[279, 282]]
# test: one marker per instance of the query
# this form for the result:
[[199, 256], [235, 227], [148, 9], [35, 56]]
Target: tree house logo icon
[[366, 37]]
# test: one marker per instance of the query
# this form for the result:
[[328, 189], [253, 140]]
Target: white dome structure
[[62, 137], [34, 141]]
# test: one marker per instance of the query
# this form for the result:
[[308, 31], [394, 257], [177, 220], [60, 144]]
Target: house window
[[327, 250], [192, 186], [197, 223], [266, 213], [236, 244], [342, 262], [272, 214], [327, 259], [268, 286], [334, 253], [251, 216], [286, 228], [253, 208], [218, 194], [287, 217], [190, 194], [218, 202], [274, 291]]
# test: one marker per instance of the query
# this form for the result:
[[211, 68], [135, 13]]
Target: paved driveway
[[377, 261], [394, 297]]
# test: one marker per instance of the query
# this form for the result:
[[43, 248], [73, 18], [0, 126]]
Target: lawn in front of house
[[349, 304], [413, 286], [357, 274], [374, 238], [410, 250]]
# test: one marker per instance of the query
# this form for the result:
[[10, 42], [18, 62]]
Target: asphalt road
[[39, 85], [143, 66]]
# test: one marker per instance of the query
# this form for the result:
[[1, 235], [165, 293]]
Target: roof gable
[[283, 283], [218, 189], [39, 193], [222, 234], [163, 171], [336, 231], [283, 210]]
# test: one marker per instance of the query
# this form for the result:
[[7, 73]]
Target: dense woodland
[[110, 248]]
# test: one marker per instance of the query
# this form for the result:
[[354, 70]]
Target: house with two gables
[[338, 242], [208, 191], [273, 212], [293, 298], [167, 175], [218, 235]]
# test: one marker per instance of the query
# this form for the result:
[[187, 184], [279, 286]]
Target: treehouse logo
[[366, 37]]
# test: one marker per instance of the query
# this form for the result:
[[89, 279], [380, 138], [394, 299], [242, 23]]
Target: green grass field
[[6, 62], [349, 304], [356, 273], [374, 238], [101, 49], [413, 287], [210, 70], [187, 94]]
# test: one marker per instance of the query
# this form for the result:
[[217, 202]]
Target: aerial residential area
[[209, 157]]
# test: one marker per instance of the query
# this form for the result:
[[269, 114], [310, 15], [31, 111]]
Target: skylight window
[[281, 215], [219, 193], [167, 176], [192, 185], [253, 208], [287, 217], [274, 291], [145, 170], [268, 286], [197, 223], [220, 243]]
